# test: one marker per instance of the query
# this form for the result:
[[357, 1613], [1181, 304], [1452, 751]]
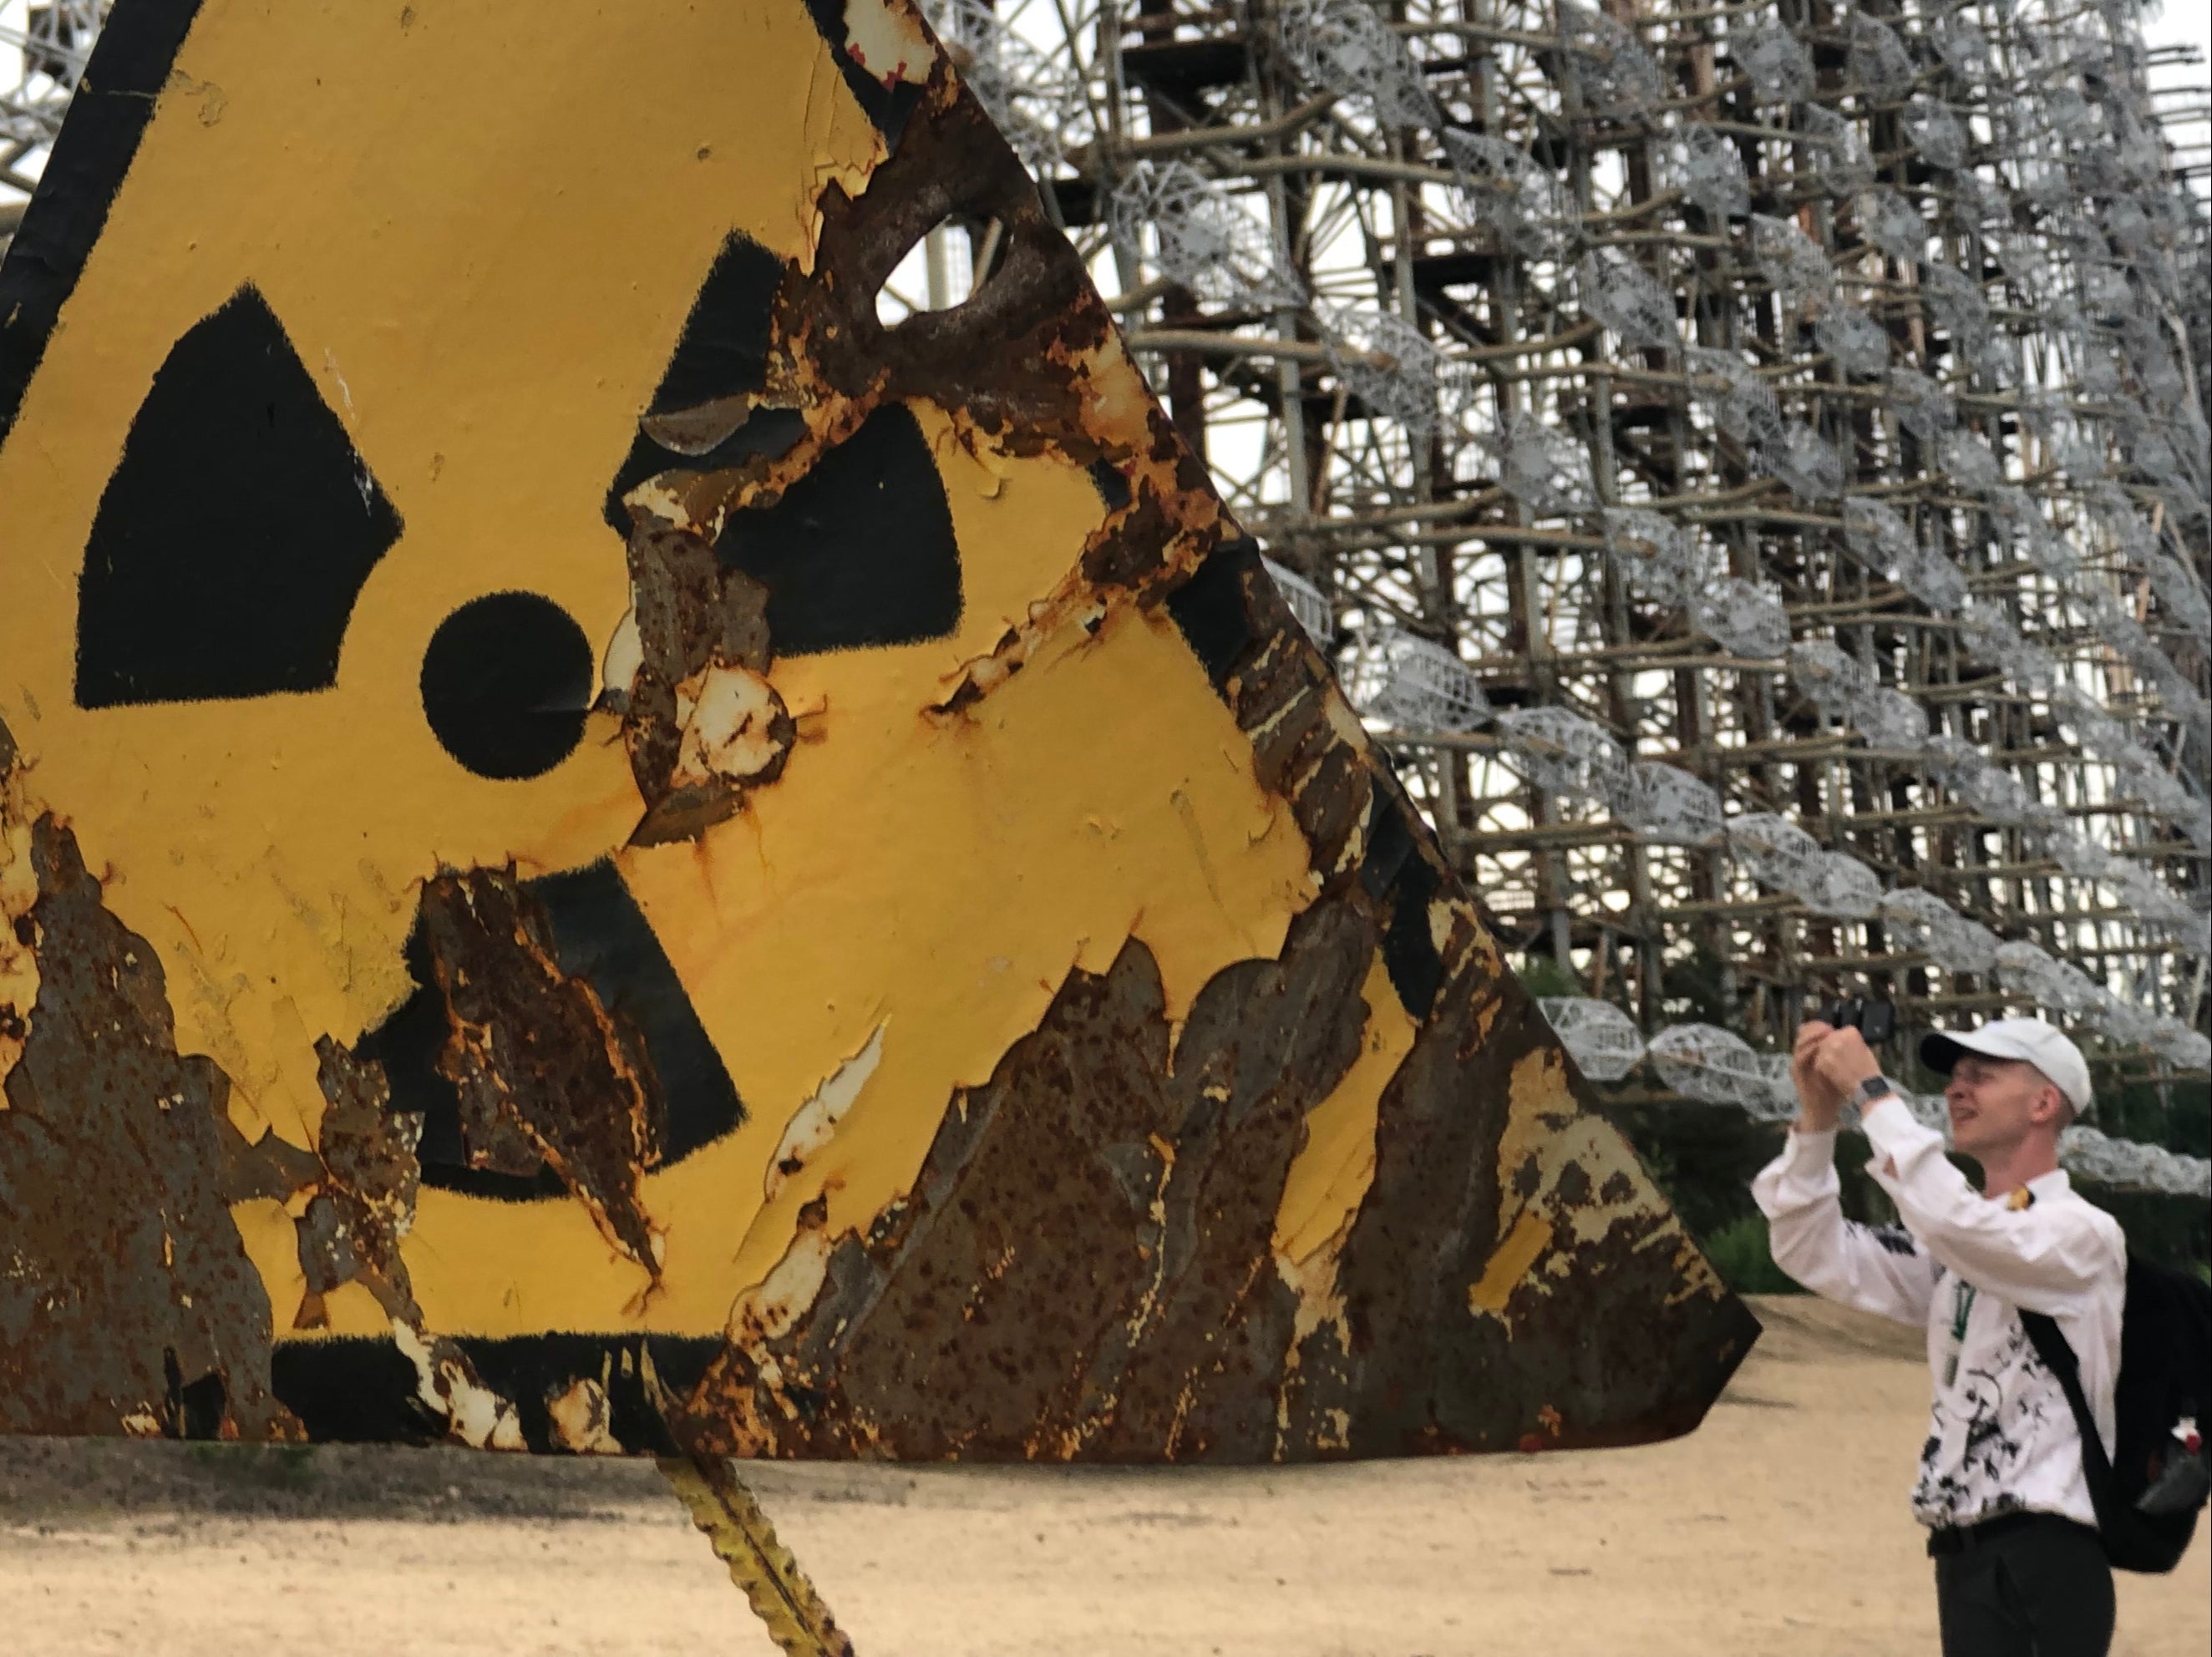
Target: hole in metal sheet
[[943, 269]]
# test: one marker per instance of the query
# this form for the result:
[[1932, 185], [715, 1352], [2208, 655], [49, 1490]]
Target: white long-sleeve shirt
[[2001, 1438]]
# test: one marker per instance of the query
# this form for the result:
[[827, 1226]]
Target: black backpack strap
[[2051, 1345]]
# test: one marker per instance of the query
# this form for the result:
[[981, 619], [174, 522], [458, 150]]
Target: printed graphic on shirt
[[1895, 1238], [1983, 1430]]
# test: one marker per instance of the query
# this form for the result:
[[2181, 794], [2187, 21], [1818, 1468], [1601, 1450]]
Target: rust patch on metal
[[701, 722], [1030, 361], [545, 1073], [967, 1326], [364, 1203], [127, 1302], [1621, 1352]]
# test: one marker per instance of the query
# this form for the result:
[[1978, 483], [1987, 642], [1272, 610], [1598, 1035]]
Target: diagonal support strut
[[777, 1589]]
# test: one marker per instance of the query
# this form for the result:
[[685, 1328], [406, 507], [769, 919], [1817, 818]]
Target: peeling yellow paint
[[474, 1414], [1537, 1104], [1329, 1177], [887, 38], [1544, 1133], [1313, 1278], [1509, 1264], [19, 891], [1699, 1281], [817, 1119], [578, 1420]]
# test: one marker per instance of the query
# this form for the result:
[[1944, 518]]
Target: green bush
[[1738, 1252], [1543, 975]]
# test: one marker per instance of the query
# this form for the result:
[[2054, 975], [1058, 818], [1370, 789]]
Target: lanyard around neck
[[1962, 1305]]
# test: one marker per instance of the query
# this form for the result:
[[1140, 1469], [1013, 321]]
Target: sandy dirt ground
[[1778, 1528]]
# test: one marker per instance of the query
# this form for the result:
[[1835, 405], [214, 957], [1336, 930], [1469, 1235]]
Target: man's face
[[1995, 1103]]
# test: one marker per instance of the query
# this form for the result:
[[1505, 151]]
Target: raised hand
[[1820, 1102]]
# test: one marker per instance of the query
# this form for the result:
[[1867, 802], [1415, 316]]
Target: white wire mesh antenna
[[1740, 402], [1840, 885], [1831, 681], [1925, 922], [1859, 344], [1705, 166], [50, 45], [1702, 1061], [1309, 608], [1602, 1038], [1922, 407], [2179, 592], [1877, 534], [2027, 971], [1346, 46], [1977, 201], [1747, 619], [2190, 1049], [1385, 361], [1839, 161], [1879, 62], [1805, 463], [1666, 803], [1617, 75], [1959, 40], [1562, 751], [1037, 103], [1774, 850], [1545, 469], [1958, 303], [1931, 127], [1775, 61], [1888, 718], [1203, 238], [1501, 186], [1659, 558], [1893, 224], [1419, 685], [2085, 1152], [1791, 260], [1627, 299]]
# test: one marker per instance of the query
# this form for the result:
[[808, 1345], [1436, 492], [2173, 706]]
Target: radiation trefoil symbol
[[603, 851]]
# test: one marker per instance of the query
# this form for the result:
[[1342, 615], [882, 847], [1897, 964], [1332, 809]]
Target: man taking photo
[[2019, 1569]]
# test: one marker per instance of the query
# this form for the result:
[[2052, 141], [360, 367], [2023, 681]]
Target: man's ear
[[2052, 1106]]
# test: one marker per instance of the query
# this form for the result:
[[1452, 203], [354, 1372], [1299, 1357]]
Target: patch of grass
[[1543, 975], [270, 1466], [1739, 1253]]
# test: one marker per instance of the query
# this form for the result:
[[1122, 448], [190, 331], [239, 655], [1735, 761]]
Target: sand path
[[1778, 1528]]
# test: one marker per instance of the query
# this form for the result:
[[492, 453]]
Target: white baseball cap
[[2040, 1044]]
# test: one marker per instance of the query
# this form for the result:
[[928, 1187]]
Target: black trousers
[[2041, 1588]]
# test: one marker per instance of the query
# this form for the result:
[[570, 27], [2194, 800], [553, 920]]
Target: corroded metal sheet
[[602, 853]]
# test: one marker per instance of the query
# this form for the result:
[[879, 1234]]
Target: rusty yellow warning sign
[[603, 852]]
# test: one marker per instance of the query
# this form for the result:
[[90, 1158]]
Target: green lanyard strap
[[1962, 1304]]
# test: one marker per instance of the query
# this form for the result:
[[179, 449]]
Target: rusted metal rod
[[779, 1592]]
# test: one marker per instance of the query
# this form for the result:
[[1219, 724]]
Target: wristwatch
[[1874, 1087]]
